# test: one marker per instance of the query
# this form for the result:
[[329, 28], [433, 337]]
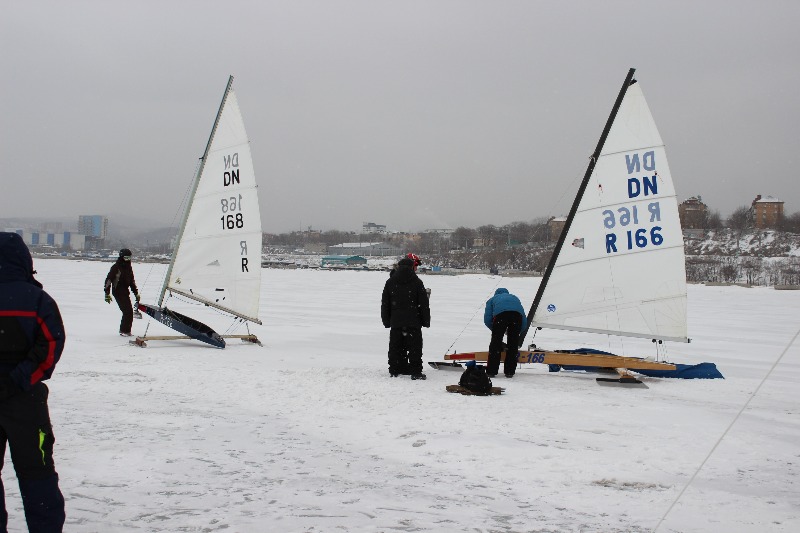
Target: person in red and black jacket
[[31, 341], [119, 280]]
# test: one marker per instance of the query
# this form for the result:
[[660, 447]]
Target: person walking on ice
[[31, 342], [118, 282]]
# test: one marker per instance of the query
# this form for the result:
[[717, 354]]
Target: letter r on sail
[[243, 246]]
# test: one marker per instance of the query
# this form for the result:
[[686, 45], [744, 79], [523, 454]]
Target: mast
[[621, 96], [194, 191]]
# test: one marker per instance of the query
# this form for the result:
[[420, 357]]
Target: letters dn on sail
[[627, 217], [232, 175], [231, 207]]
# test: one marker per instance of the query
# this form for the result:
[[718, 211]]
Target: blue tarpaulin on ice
[[699, 371]]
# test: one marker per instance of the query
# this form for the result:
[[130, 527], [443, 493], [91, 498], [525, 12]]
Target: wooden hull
[[589, 360]]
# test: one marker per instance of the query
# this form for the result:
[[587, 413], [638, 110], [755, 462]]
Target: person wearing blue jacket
[[31, 342], [504, 315]]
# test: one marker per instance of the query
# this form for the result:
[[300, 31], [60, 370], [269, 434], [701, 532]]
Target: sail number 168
[[232, 221], [230, 206]]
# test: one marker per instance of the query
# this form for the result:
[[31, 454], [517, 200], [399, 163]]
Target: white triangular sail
[[217, 259], [621, 268]]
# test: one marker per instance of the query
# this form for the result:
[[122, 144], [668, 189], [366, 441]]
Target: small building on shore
[[372, 249], [767, 212], [343, 261]]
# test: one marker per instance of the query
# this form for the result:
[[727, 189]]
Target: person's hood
[[16, 263], [501, 291], [404, 273]]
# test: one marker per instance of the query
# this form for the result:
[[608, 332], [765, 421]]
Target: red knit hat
[[415, 258]]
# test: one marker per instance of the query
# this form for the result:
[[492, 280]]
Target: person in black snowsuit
[[119, 280], [401, 363], [31, 341], [405, 309]]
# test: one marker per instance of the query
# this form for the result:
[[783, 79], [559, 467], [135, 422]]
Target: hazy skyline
[[412, 114]]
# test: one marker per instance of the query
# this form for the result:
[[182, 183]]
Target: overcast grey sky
[[413, 114]]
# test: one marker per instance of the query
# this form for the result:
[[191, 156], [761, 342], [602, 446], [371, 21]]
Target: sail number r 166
[[639, 238]]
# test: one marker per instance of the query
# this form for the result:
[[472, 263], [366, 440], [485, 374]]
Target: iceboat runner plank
[[142, 340], [569, 359]]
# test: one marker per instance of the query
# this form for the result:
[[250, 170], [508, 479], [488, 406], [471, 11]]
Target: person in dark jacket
[[405, 309], [401, 364], [505, 316], [118, 282], [31, 341]]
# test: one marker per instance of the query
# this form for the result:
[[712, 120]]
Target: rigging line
[[235, 325], [188, 301], [472, 317], [564, 190], [175, 215], [551, 208], [149, 272], [713, 449], [532, 345]]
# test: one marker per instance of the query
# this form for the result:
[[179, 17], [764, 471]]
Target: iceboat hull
[[185, 325]]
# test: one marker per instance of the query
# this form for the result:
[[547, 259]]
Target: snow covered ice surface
[[309, 432]]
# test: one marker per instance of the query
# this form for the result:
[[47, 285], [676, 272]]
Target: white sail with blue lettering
[[618, 266], [620, 269], [217, 258]]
